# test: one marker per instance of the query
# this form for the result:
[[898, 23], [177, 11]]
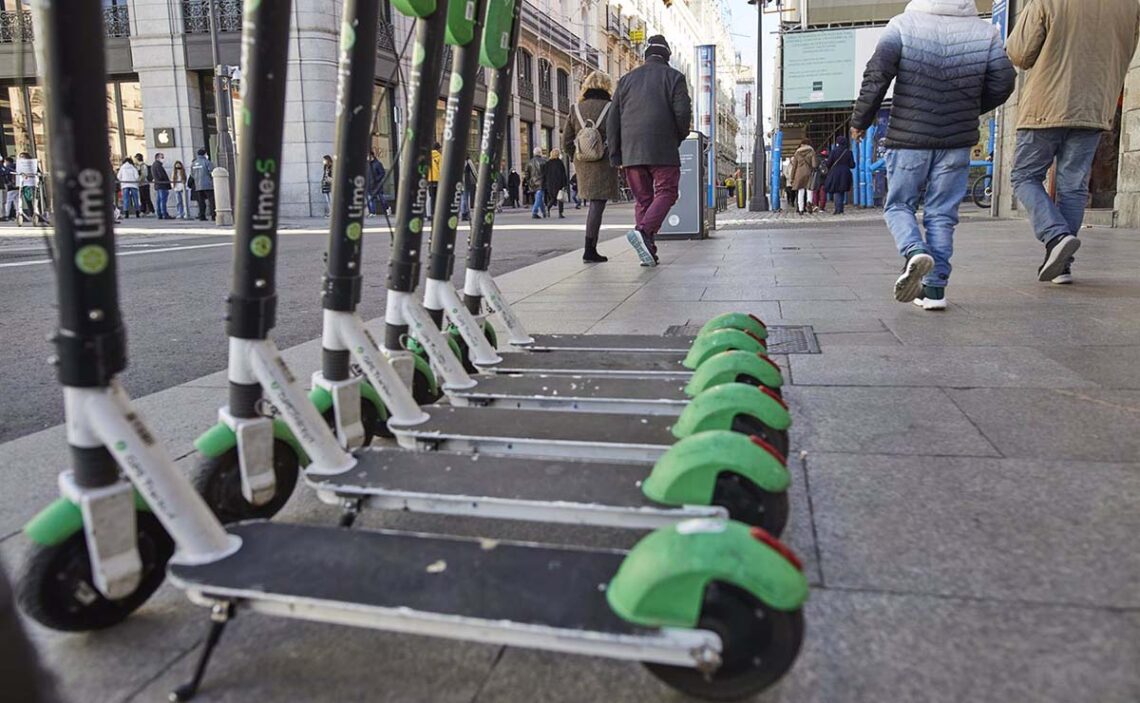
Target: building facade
[[160, 88]]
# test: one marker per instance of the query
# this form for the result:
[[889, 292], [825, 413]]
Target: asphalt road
[[172, 288]]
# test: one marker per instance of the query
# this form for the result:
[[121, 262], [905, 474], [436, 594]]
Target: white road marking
[[40, 262]]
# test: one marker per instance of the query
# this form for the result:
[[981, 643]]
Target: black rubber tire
[[982, 192], [47, 591], [369, 417], [748, 503], [218, 481], [746, 424], [421, 389], [753, 381], [760, 646]]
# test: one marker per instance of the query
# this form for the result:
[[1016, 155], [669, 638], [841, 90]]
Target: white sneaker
[[638, 243], [929, 304], [1063, 279], [909, 284]]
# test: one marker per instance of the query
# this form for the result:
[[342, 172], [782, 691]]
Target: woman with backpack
[[584, 141]]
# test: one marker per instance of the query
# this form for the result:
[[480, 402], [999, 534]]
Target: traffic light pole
[[759, 202]]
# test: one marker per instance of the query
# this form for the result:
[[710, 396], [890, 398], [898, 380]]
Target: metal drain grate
[[791, 339]]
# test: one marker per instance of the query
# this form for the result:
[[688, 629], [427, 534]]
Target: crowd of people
[[137, 179]]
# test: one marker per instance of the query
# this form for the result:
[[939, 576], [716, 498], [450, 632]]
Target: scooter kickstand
[[351, 512], [220, 615]]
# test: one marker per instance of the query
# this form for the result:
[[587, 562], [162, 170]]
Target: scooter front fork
[[440, 295], [480, 283], [404, 309], [103, 417]]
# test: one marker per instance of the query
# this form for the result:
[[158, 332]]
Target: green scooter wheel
[[218, 481], [760, 646], [369, 417], [57, 589]]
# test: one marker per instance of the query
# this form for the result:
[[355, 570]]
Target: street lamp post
[[759, 200], [225, 151]]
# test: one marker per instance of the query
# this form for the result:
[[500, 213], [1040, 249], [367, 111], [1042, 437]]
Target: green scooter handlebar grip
[[497, 25], [460, 29], [415, 8]]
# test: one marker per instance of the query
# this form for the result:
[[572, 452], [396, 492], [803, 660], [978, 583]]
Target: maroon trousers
[[654, 192]]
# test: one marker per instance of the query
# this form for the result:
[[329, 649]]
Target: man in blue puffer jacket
[[949, 67]]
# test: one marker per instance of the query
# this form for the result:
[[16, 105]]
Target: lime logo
[[411, 133], [416, 225], [120, 446], [492, 100], [453, 222], [261, 245], [423, 169], [246, 116], [347, 37], [488, 218], [353, 231], [251, 5], [91, 259], [418, 54], [360, 350], [456, 82], [484, 159]]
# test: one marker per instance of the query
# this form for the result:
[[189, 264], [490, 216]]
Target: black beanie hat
[[657, 46]]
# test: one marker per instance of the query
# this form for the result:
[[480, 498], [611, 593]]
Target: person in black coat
[[554, 180], [375, 185], [838, 182], [513, 183]]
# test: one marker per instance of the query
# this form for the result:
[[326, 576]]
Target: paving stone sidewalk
[[965, 488]]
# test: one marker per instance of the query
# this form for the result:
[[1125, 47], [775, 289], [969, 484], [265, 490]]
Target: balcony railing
[[16, 25], [196, 16], [385, 36], [563, 102], [547, 28], [526, 90], [117, 21], [613, 22], [546, 97]]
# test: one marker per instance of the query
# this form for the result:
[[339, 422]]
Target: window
[[382, 128], [544, 75], [547, 139], [475, 136], [526, 139], [563, 83], [525, 63]]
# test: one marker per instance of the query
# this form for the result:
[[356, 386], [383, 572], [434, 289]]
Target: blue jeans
[[840, 201], [163, 196], [181, 204], [537, 208], [130, 195], [1074, 150], [944, 172], [465, 205]]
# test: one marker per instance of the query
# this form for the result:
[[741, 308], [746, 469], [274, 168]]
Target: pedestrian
[[596, 177], [145, 179], [730, 186], [162, 185], [499, 187], [650, 117], [804, 162], [819, 193], [470, 178], [178, 186], [129, 184], [326, 182], [1076, 57], [11, 191], [555, 182], [433, 179], [202, 173], [574, 191], [375, 186], [839, 181], [786, 181], [534, 183], [948, 66], [513, 181]]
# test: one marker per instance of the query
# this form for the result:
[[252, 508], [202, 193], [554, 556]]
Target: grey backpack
[[589, 145]]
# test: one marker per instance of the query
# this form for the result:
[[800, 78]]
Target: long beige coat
[[804, 162], [1076, 53]]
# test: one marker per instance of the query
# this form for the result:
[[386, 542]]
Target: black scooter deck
[[657, 396], [610, 342], [594, 363], [519, 488], [585, 435], [558, 587]]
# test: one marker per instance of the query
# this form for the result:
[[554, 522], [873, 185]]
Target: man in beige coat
[[1076, 53]]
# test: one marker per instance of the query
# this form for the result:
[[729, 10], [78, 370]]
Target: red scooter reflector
[[765, 357], [768, 392], [759, 442], [762, 342], [758, 321], [762, 535]]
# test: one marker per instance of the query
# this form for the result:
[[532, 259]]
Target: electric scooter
[[710, 474], [712, 607]]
